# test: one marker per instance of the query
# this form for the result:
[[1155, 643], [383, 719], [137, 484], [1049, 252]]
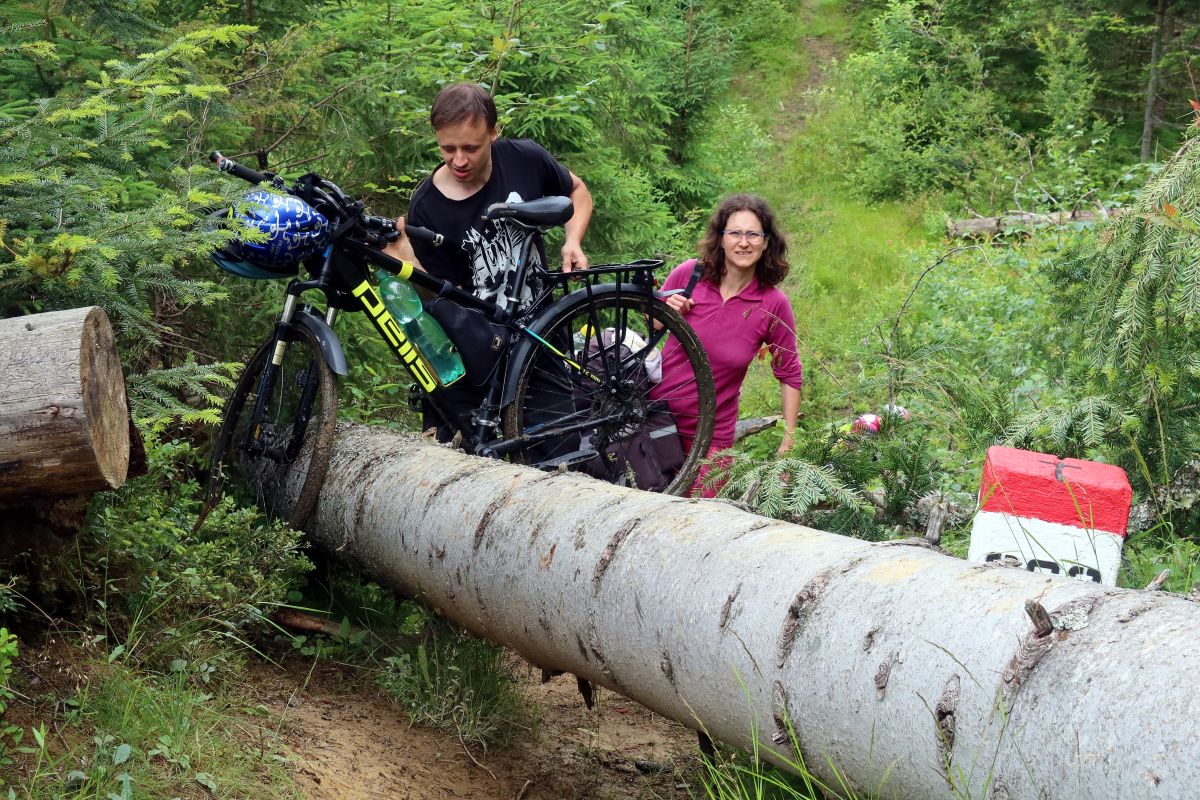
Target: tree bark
[[980, 227], [64, 418], [1151, 95], [913, 673], [752, 425]]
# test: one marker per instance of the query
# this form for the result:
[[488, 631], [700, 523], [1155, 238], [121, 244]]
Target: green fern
[[785, 487]]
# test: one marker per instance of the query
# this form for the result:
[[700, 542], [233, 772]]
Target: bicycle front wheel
[[276, 437], [608, 389]]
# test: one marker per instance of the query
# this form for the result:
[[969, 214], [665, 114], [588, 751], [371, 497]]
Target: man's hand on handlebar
[[401, 247]]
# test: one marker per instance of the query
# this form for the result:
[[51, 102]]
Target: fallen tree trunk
[[980, 227], [64, 419], [915, 674]]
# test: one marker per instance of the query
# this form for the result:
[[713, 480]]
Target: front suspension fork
[[252, 442]]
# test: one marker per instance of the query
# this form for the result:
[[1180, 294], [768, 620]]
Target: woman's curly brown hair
[[772, 268]]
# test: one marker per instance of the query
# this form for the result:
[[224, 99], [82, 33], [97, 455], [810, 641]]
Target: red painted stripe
[[1027, 484]]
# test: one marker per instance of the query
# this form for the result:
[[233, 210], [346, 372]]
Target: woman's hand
[[680, 303]]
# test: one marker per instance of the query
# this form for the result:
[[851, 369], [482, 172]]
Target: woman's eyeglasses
[[753, 237]]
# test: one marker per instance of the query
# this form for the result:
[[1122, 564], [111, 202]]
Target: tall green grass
[[849, 258]]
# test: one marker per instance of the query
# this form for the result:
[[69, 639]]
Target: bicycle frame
[[540, 391], [346, 282]]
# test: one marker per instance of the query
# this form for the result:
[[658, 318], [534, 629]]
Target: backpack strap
[[697, 271]]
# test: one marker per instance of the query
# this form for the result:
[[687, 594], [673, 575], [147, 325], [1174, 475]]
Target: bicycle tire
[[279, 474], [536, 407]]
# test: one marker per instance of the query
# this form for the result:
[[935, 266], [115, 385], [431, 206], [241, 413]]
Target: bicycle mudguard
[[331, 347], [525, 347]]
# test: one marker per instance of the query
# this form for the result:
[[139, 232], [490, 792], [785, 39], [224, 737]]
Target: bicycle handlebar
[[431, 238], [232, 167]]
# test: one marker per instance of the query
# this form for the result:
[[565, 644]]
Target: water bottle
[[425, 333]]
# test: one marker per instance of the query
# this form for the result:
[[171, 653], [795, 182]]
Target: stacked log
[[983, 227]]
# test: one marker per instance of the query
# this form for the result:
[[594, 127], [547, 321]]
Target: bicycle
[[559, 395]]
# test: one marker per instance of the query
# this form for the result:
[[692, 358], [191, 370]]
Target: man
[[479, 170]]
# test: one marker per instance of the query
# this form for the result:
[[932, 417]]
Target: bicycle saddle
[[546, 211]]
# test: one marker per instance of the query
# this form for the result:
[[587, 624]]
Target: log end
[[105, 404]]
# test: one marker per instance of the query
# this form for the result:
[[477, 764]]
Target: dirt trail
[[347, 742]]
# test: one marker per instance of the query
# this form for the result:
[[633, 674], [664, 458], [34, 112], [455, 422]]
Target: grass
[[850, 268], [462, 685], [441, 676], [126, 734]]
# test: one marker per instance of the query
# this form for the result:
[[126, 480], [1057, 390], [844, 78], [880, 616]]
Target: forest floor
[[345, 742]]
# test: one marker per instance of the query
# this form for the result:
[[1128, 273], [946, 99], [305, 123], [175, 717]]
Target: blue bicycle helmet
[[295, 230]]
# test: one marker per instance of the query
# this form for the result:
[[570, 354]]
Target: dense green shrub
[[163, 591], [926, 119]]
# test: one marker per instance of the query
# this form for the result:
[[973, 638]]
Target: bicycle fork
[[253, 440]]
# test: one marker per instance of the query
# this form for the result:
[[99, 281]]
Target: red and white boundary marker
[[1062, 516]]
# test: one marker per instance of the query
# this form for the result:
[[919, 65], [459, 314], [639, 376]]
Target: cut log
[[64, 418], [913, 673], [980, 227]]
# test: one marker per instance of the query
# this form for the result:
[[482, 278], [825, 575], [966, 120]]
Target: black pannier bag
[[649, 456], [479, 341]]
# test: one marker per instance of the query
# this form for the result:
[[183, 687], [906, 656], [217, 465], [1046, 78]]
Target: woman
[[735, 309]]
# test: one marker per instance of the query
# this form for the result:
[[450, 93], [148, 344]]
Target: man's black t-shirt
[[477, 255]]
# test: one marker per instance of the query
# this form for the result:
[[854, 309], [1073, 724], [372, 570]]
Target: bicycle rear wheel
[[278, 462], [603, 394]]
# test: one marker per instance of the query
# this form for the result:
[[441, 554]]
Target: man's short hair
[[461, 102]]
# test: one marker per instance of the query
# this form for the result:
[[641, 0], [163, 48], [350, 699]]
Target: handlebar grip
[[232, 167], [425, 235]]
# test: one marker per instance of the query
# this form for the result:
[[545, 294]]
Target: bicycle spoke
[[273, 448]]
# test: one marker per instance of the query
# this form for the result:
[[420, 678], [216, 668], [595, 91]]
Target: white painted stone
[[1048, 547]]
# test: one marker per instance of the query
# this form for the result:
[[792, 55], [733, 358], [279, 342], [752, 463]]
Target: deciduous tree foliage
[[1016, 105]]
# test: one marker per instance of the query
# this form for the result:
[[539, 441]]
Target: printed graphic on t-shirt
[[494, 250]]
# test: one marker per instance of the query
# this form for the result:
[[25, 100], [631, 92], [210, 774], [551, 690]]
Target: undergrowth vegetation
[[460, 684], [1070, 339]]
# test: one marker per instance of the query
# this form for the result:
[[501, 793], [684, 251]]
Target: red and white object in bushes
[[1061, 516]]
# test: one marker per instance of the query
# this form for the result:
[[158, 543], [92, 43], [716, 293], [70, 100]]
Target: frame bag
[[478, 340]]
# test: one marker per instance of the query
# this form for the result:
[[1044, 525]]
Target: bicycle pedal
[[416, 396]]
